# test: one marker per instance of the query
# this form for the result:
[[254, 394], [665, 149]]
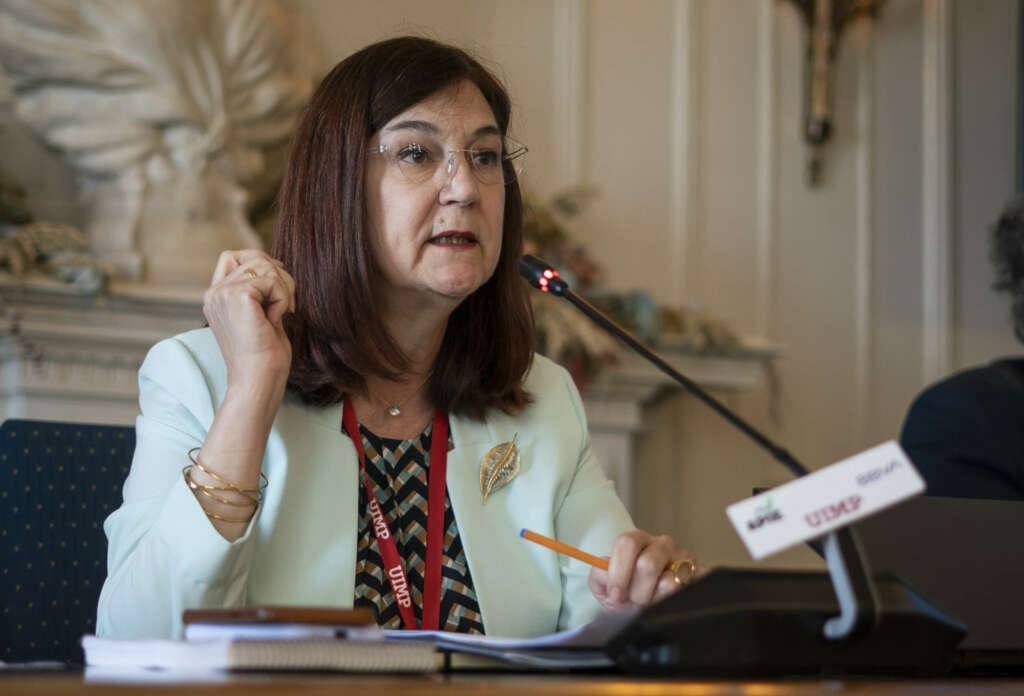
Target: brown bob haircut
[[323, 239]]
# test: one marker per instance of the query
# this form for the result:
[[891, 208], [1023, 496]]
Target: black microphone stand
[[845, 638]]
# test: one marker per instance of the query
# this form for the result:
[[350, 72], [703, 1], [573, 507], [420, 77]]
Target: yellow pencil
[[558, 546]]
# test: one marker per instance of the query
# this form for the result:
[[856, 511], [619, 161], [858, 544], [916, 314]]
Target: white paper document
[[590, 635], [576, 648]]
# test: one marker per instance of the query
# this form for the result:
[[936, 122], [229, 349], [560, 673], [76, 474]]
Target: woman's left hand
[[639, 571]]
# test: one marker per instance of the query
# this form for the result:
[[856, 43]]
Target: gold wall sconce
[[825, 20]]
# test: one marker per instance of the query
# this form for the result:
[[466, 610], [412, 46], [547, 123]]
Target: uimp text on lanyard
[[435, 525]]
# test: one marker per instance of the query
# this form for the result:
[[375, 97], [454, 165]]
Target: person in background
[[364, 423], [965, 434]]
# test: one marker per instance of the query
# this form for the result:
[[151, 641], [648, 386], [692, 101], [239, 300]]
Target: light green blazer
[[300, 548]]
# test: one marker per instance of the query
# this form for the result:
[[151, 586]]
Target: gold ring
[[251, 273], [676, 565]]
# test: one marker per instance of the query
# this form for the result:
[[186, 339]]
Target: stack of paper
[[298, 646], [327, 654]]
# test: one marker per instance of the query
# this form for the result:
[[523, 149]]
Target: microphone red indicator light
[[541, 276]]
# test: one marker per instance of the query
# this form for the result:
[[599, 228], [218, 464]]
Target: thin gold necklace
[[395, 409]]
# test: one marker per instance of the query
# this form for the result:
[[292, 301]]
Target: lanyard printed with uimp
[[435, 525]]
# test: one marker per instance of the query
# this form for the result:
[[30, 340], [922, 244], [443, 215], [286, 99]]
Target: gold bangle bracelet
[[217, 477], [205, 490], [215, 516], [187, 473]]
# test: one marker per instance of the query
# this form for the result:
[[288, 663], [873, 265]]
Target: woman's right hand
[[244, 305]]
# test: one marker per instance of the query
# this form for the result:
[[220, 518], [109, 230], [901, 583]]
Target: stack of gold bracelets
[[252, 496]]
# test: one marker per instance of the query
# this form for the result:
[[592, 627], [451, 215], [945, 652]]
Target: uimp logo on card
[[826, 499]]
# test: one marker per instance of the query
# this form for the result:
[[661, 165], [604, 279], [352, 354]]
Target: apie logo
[[763, 515]]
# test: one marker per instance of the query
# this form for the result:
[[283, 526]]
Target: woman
[[352, 384]]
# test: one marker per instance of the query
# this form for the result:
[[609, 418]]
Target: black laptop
[[966, 556]]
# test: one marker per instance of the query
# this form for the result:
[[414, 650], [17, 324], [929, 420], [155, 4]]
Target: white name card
[[825, 500]]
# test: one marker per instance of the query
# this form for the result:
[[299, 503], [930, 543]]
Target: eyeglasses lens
[[493, 160]]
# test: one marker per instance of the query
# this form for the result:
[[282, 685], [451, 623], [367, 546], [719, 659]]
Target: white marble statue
[[174, 114]]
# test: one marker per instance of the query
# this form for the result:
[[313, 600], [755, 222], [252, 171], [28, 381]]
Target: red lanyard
[[435, 525]]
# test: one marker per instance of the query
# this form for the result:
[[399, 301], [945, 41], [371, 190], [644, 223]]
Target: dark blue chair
[[58, 482]]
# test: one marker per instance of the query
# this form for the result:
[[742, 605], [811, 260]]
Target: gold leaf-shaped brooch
[[500, 465]]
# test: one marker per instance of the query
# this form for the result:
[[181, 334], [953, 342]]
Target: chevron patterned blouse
[[398, 469]]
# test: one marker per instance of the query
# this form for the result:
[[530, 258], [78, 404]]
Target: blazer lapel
[[512, 598]]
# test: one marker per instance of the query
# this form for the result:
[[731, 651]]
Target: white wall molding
[[685, 123], [937, 191], [88, 347], [766, 204], [863, 34], [683, 144], [569, 126]]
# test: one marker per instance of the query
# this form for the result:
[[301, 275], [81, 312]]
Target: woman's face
[[438, 238]]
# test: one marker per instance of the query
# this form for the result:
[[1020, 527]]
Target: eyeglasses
[[492, 159]]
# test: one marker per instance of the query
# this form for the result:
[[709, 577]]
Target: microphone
[[542, 276], [695, 630]]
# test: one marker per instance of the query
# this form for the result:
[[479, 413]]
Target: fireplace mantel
[[69, 356]]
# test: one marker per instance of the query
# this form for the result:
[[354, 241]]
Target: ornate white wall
[[686, 114]]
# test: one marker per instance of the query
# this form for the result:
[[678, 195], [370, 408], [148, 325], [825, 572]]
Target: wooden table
[[489, 684]]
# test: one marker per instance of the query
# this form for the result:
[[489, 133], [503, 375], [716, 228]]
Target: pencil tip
[[522, 532]]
